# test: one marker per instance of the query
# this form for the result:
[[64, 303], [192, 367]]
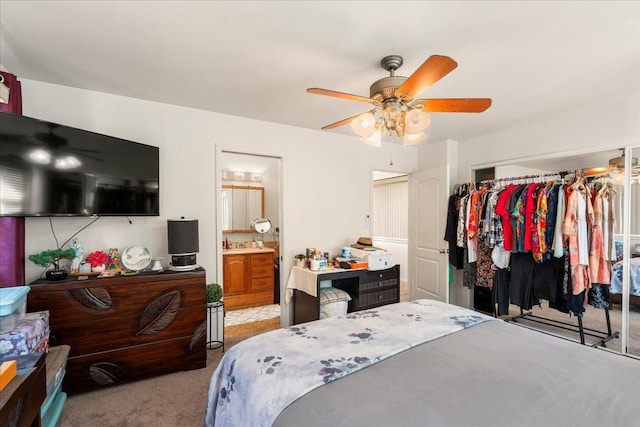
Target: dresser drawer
[[381, 283], [262, 284], [262, 259], [374, 299], [127, 331], [261, 271], [380, 275], [99, 370], [97, 299]]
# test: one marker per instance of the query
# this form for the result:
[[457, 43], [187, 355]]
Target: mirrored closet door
[[633, 252], [609, 320]]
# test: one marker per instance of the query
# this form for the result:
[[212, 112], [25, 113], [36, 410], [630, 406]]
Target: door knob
[[442, 251]]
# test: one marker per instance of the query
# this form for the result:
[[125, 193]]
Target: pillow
[[334, 309], [331, 294]]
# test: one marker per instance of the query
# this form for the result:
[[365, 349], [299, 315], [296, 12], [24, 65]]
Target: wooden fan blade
[[342, 95], [432, 70], [451, 105], [340, 123]]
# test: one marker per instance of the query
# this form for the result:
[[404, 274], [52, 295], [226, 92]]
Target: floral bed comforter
[[259, 377]]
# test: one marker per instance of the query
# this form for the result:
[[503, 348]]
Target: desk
[[368, 289], [21, 399]]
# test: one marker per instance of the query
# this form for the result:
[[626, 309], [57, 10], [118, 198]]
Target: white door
[[428, 259]]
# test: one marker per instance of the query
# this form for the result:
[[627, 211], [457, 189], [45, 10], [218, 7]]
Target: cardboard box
[[8, 371], [376, 259]]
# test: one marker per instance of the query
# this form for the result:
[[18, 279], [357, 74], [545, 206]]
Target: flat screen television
[[48, 169]]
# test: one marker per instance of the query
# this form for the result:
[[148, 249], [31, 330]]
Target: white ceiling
[[255, 59]]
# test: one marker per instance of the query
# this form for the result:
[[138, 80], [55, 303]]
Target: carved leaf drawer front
[[125, 328]]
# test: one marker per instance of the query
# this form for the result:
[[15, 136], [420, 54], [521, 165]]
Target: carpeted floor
[[171, 400]]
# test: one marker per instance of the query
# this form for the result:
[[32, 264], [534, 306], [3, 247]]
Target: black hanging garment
[[456, 254]]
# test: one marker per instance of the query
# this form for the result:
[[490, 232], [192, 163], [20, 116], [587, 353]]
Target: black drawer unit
[[368, 289], [377, 288], [376, 299]]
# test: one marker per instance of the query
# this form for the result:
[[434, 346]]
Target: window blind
[[390, 208]]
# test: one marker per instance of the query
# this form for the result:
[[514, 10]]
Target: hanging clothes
[[558, 242], [601, 241], [577, 224], [533, 241], [456, 253], [502, 209], [599, 265]]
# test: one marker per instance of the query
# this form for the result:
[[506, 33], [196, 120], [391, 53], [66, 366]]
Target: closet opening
[[609, 184]]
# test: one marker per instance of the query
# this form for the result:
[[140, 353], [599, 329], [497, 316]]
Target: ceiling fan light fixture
[[364, 124], [415, 121], [413, 138], [40, 156], [397, 110], [67, 162], [617, 177], [619, 161], [374, 139]]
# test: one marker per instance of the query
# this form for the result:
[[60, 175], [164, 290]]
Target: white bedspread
[[259, 377]]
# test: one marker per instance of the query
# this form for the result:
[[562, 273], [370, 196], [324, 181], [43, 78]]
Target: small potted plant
[[299, 260], [97, 259], [214, 293], [53, 257]]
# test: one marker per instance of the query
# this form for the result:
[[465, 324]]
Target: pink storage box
[[30, 335]]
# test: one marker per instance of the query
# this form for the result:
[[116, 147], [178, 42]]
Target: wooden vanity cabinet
[[248, 279]]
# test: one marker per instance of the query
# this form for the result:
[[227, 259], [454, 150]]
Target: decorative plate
[[136, 258]]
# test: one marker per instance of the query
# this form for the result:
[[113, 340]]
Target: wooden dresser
[[125, 328], [248, 278]]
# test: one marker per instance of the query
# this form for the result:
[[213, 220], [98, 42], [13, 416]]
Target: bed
[[616, 282], [416, 364]]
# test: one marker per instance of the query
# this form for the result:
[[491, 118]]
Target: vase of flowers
[[97, 259]]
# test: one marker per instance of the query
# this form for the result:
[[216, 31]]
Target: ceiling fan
[[396, 109], [50, 148]]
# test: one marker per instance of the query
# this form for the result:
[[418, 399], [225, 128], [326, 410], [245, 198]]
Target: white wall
[[326, 177], [612, 124]]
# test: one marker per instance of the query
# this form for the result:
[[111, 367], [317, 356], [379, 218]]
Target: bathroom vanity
[[248, 277]]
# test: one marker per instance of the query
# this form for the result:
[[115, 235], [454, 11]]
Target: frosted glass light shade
[[364, 125], [415, 121], [67, 162], [40, 156], [375, 139]]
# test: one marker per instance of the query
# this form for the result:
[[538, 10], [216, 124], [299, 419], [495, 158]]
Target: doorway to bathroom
[[249, 223]]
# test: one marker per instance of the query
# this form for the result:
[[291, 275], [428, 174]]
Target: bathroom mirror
[[240, 206]]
